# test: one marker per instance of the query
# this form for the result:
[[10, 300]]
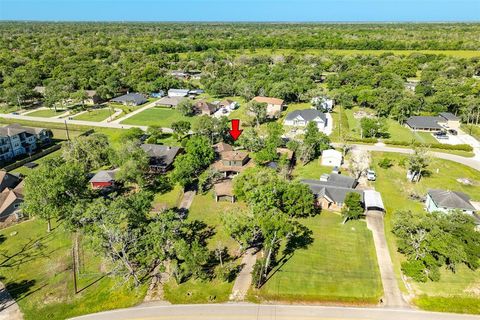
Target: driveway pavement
[[9, 309], [392, 296], [244, 278], [243, 311]]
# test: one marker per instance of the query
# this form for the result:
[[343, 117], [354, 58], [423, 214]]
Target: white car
[[371, 175]]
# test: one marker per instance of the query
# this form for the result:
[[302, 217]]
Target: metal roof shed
[[373, 200]]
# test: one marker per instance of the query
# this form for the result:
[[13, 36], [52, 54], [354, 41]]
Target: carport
[[373, 201]]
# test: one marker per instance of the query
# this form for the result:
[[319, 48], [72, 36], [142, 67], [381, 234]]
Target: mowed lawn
[[95, 115], [45, 113], [163, 117], [36, 268], [455, 292], [340, 265], [312, 170]]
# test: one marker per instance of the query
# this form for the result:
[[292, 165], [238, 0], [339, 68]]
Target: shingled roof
[[451, 199], [307, 115], [424, 122]]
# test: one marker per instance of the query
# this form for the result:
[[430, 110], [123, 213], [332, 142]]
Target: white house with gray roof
[[300, 118], [130, 99], [446, 201]]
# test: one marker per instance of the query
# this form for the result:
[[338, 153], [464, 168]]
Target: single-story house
[[103, 179], [93, 97], [424, 123], [224, 191], [449, 120], [300, 118], [171, 102], [205, 108], [446, 201], [178, 93], [331, 190], [332, 158], [130, 99], [161, 156], [274, 105]]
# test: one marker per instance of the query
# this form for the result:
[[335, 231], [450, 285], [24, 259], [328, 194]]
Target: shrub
[[415, 269], [385, 163]]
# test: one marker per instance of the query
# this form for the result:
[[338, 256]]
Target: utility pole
[[66, 128], [74, 269]]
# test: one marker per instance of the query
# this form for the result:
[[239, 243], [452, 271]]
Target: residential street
[[242, 311]]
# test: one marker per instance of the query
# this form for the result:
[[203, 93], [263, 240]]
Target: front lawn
[[36, 267], [340, 265], [96, 115], [45, 113], [312, 170], [162, 117], [396, 190]]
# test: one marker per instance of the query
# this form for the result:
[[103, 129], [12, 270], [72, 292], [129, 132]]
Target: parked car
[[453, 132], [371, 175], [440, 135], [15, 113]]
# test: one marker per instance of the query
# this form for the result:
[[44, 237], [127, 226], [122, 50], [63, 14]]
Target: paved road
[[392, 296], [243, 311], [244, 278], [470, 162]]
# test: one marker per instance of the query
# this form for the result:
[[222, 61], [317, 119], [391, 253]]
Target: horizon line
[[250, 21]]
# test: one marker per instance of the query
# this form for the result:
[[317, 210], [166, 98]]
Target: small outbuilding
[[103, 179], [332, 158], [373, 200], [224, 191]]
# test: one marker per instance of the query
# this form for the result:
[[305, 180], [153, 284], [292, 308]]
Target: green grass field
[[312, 170], [47, 113], [163, 117], [340, 265], [95, 115], [171, 198], [395, 190], [36, 267], [473, 130]]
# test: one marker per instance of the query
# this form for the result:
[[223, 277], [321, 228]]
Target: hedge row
[[459, 147]]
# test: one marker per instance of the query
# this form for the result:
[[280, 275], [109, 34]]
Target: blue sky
[[241, 10]]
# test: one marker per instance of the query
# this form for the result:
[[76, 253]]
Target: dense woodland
[[112, 58]]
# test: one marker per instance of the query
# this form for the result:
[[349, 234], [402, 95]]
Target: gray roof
[[16, 129], [136, 98], [307, 115], [323, 189], [451, 199], [424, 122], [104, 176], [169, 101], [8, 180], [183, 92], [162, 155], [448, 116]]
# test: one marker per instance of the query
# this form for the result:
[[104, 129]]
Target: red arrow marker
[[235, 132]]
